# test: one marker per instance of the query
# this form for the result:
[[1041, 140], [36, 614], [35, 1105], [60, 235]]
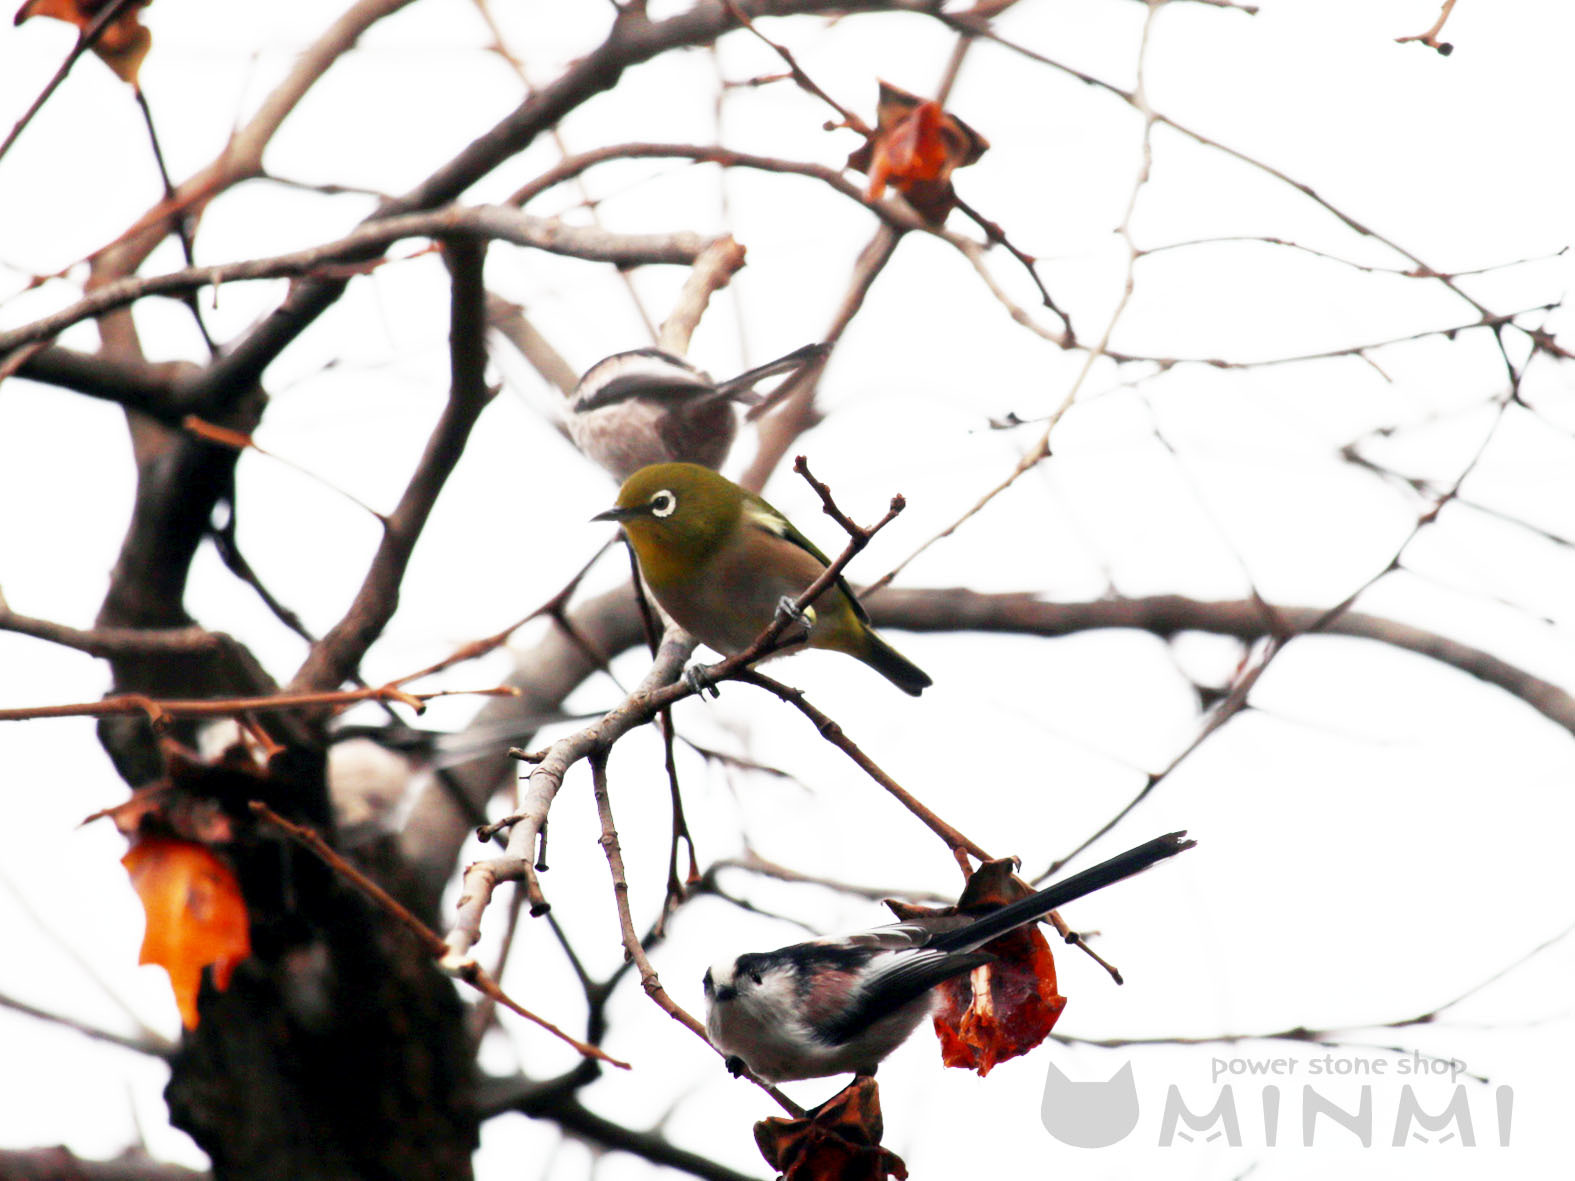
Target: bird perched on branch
[[649, 406], [843, 1003], [723, 562]]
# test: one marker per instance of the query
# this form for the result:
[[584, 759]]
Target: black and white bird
[[648, 406], [843, 1003]]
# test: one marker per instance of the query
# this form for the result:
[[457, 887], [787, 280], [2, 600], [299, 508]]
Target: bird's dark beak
[[616, 513]]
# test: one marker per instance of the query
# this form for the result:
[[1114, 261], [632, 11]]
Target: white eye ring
[[663, 503]]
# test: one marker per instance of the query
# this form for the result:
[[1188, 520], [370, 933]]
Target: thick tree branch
[[713, 270], [149, 389], [61, 1164], [579, 1121], [338, 654], [961, 609], [575, 166], [452, 223], [114, 641]]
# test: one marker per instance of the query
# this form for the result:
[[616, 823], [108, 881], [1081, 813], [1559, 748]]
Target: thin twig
[[791, 405], [156, 1047], [803, 80], [1041, 449], [90, 35], [1236, 700], [1430, 38], [752, 862], [161, 710], [959, 844], [148, 1039], [182, 222], [632, 946]]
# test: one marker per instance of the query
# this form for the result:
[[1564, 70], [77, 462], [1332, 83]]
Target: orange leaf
[[837, 1141], [123, 43], [196, 916], [916, 145]]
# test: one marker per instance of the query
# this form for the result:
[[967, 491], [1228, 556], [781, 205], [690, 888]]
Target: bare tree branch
[[156, 1047], [337, 655], [114, 641], [453, 223], [149, 389], [61, 1164], [962, 609], [713, 269]]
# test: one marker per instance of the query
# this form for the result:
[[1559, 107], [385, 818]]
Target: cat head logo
[[1090, 1115]]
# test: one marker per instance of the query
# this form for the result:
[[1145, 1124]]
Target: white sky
[[1380, 835]]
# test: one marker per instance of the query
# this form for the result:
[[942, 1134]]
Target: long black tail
[[742, 388], [1025, 910], [893, 665]]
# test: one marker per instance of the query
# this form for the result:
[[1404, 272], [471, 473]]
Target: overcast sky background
[[1377, 836]]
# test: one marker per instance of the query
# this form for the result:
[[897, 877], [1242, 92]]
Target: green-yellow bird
[[720, 560]]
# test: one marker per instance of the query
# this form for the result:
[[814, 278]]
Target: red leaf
[[837, 1141], [1003, 1009], [1007, 1007], [196, 916]]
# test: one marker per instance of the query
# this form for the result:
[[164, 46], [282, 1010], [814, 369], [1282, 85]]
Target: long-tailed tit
[[845, 1002], [649, 406]]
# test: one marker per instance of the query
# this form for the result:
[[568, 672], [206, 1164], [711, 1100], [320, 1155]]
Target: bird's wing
[[641, 373], [892, 938], [759, 514], [643, 385], [905, 936], [908, 976]]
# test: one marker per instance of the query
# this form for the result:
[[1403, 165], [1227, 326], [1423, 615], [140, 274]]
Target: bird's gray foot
[[787, 608], [698, 677], [799, 622]]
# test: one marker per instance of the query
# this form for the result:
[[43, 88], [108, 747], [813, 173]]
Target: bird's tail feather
[[742, 388], [1025, 910], [893, 665]]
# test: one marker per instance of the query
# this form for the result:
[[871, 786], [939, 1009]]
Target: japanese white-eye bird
[[722, 562], [844, 1002], [649, 406]]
